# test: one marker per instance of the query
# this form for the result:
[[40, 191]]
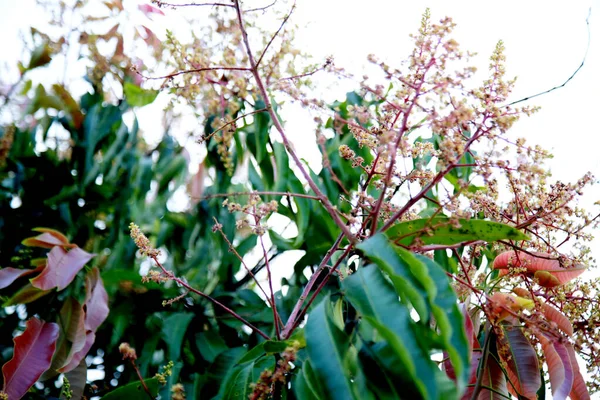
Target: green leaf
[[408, 287], [134, 391], [138, 97], [210, 345], [27, 294], [441, 231], [377, 302], [173, 330], [450, 321], [332, 356]]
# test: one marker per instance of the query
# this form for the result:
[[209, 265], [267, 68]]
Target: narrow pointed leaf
[[25, 295], [450, 321], [377, 302], [62, 268], [493, 377], [560, 319], [381, 252], [522, 361], [96, 300], [32, 354], [332, 356], [8, 275], [559, 367], [443, 231], [579, 391], [173, 330], [45, 240], [77, 380]]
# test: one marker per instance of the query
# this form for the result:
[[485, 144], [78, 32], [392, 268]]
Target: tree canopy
[[426, 258]]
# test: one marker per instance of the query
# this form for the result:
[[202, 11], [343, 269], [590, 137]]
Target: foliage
[[429, 281]]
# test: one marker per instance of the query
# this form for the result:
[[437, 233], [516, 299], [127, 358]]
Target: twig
[[137, 371], [276, 34], [289, 326], [205, 138], [263, 92], [587, 21], [191, 71], [161, 4], [183, 283], [261, 8]]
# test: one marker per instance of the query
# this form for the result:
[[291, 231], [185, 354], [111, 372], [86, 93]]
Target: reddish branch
[[263, 92]]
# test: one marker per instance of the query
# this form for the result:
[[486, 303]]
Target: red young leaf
[[148, 9], [475, 360], [62, 268], [547, 271], [493, 377], [80, 355], [521, 361], [48, 239], [9, 275], [579, 390], [96, 300], [72, 337], [559, 367], [32, 355], [77, 380], [560, 319]]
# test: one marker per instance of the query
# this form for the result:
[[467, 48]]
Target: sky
[[545, 43]]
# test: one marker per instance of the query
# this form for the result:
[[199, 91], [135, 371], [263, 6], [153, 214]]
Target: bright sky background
[[545, 42]]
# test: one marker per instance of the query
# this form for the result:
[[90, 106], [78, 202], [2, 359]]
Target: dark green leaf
[[173, 330], [134, 391], [377, 302]]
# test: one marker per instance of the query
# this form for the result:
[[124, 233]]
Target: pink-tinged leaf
[[25, 295], [77, 380], [38, 262], [559, 367], [560, 319], [546, 270], [72, 336], [44, 240], [579, 390], [9, 275], [148, 9], [59, 235], [80, 355], [493, 377], [32, 354], [521, 361], [96, 300], [470, 337], [62, 268], [475, 360]]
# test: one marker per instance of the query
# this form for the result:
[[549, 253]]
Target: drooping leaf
[[32, 354], [579, 390], [493, 377], [96, 300], [8, 275], [544, 267], [560, 319], [443, 231], [332, 356], [173, 330], [134, 391], [559, 366], [380, 251], [378, 303], [521, 361], [450, 320], [61, 268], [90, 337], [72, 338], [210, 345], [77, 380]]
